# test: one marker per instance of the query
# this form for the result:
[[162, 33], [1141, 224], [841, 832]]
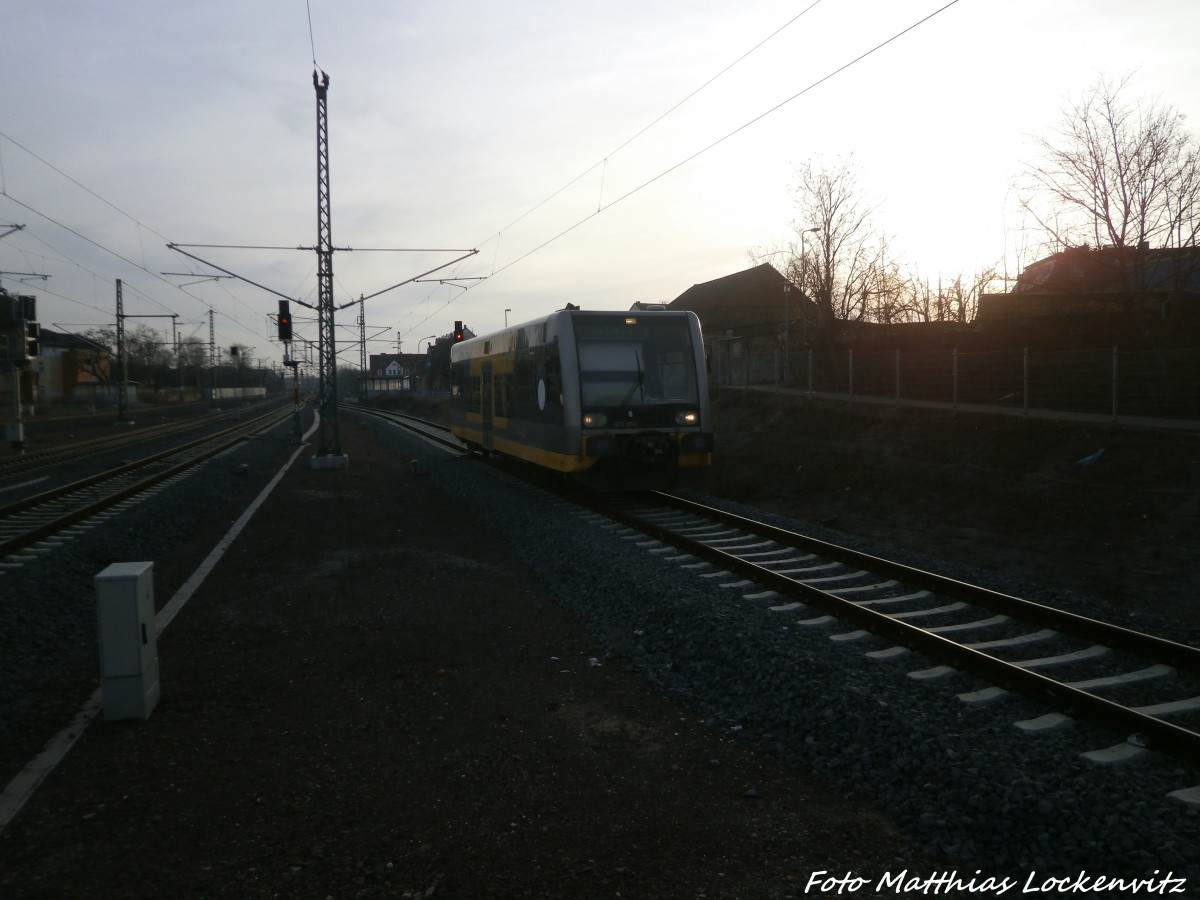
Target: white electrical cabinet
[[128, 644]]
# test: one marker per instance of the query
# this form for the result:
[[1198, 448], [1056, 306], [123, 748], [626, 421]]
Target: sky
[[595, 154]]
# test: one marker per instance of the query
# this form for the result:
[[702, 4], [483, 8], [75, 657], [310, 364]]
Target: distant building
[[758, 328], [73, 369], [755, 323], [1112, 296], [393, 372]]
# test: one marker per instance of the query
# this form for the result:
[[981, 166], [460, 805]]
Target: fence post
[[897, 376], [1115, 383], [1025, 381], [850, 375], [954, 380]]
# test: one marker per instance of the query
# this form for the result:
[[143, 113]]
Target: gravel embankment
[[962, 783]]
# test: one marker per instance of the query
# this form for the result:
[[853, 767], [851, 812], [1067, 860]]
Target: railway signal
[[20, 333], [285, 321], [458, 331], [33, 340]]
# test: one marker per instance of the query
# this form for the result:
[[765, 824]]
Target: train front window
[[635, 365]]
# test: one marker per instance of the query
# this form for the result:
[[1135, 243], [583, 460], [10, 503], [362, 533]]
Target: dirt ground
[[1001, 494]]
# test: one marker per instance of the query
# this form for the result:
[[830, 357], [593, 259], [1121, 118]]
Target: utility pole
[[329, 444], [178, 354], [362, 347], [329, 452], [212, 363], [122, 368]]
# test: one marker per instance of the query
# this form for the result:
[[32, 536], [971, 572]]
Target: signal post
[[20, 346]]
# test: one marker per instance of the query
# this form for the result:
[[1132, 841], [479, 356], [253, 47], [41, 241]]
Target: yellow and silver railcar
[[618, 397]]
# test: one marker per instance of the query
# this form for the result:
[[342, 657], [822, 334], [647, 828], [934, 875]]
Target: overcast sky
[[528, 131]]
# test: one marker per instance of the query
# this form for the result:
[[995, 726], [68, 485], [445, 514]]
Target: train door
[[486, 400]]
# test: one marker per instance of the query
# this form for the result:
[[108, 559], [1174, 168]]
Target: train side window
[[502, 400], [553, 374], [524, 393], [472, 388]]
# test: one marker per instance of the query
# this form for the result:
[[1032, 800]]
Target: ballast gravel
[[962, 781]]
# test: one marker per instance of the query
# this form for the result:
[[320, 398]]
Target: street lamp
[[803, 246], [787, 311], [430, 338], [787, 336], [803, 311], [506, 312]]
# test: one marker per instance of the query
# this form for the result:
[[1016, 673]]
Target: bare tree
[[1117, 174], [961, 298], [193, 351], [953, 300], [837, 259], [148, 353]]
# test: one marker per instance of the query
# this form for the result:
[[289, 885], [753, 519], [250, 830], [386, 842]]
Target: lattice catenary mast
[[329, 440]]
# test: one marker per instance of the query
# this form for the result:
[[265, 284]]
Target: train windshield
[[635, 361]]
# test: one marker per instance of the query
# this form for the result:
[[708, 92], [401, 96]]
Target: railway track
[[426, 428], [34, 525], [1142, 688], [1068, 661], [15, 466]]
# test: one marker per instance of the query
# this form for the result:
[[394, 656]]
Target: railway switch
[[128, 644]]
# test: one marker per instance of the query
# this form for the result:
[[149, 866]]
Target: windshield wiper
[[639, 382]]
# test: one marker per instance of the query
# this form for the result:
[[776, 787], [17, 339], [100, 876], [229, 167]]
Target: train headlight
[[687, 418], [594, 420]]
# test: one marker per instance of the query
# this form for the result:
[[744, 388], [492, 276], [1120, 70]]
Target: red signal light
[[285, 321]]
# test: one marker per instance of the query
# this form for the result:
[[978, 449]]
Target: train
[[610, 399]]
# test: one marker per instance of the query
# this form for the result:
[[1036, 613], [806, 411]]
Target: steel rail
[[27, 538], [53, 494], [39, 459], [1159, 734], [16, 465], [1181, 656], [404, 420]]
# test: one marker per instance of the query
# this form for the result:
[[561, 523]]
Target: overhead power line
[[721, 140], [604, 160]]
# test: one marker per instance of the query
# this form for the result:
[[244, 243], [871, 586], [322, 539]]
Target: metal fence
[[1102, 384]]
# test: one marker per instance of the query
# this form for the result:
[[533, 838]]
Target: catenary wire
[[99, 246], [604, 160], [109, 250], [727, 136], [827, 77]]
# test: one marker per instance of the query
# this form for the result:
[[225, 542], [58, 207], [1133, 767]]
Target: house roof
[[380, 361], [753, 297], [69, 341], [1083, 270]]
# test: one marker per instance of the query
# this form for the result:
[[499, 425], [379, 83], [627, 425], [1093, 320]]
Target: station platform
[[365, 696]]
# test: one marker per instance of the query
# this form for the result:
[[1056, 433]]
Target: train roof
[[467, 348]]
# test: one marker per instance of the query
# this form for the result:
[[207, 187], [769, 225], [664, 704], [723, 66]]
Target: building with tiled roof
[[753, 322]]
